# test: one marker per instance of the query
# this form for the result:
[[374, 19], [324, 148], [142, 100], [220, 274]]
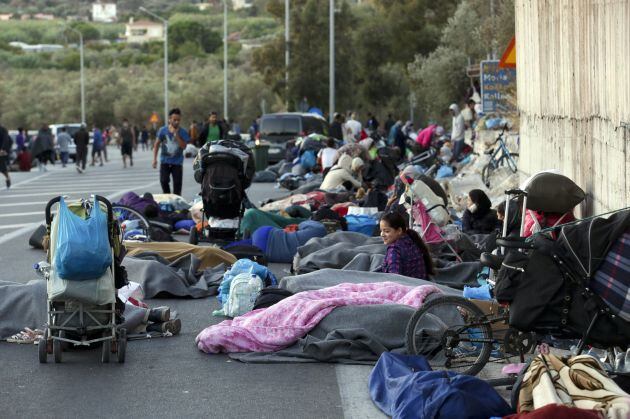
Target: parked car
[[282, 128]]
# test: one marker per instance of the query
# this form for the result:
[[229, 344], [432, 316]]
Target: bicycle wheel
[[512, 162], [124, 213], [449, 332], [486, 173]]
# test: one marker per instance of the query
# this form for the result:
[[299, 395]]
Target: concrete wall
[[573, 78]]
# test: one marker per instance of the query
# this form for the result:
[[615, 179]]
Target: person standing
[[193, 132], [372, 123], [106, 138], [389, 123], [212, 131], [5, 150], [336, 128], [470, 117], [20, 140], [127, 143], [458, 130], [81, 140], [354, 125], [63, 141], [97, 146], [144, 138], [253, 129], [172, 140], [43, 147]]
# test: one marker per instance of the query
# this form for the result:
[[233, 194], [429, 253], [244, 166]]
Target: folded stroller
[[81, 294], [224, 169]]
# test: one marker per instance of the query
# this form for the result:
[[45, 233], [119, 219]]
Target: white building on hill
[[104, 12], [141, 31]]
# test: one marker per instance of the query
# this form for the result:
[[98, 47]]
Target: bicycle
[[500, 156]]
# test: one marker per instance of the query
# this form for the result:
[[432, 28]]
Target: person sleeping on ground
[[406, 253], [479, 217]]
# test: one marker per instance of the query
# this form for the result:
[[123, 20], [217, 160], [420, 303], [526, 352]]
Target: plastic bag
[[82, 250]]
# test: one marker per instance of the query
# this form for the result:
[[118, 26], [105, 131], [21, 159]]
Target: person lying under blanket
[[407, 254]]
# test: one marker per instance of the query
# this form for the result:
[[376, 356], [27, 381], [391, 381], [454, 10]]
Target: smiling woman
[[407, 254]]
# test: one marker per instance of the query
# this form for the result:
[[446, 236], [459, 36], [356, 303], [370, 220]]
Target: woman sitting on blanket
[[406, 253]]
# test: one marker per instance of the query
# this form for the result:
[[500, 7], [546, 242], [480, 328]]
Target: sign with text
[[496, 85]]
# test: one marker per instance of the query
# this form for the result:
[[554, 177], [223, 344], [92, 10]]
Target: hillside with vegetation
[[384, 51]]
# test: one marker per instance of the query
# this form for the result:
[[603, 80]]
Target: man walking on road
[[212, 131], [5, 149], [171, 139], [97, 145], [63, 141], [128, 143], [81, 140]]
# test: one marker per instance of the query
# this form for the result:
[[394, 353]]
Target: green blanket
[[255, 218]]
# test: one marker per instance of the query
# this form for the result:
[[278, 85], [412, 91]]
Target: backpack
[[244, 291], [221, 190]]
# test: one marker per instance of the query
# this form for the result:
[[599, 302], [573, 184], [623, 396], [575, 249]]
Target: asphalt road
[[166, 377]]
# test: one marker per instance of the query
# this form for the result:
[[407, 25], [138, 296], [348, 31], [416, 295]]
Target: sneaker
[[172, 326], [8, 183], [79, 169], [159, 314]]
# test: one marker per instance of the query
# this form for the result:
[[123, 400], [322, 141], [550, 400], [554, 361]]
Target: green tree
[[182, 32]]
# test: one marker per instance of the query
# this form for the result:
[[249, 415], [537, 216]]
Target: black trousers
[[81, 157], [176, 170]]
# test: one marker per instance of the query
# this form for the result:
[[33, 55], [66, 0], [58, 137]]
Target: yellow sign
[[154, 118], [508, 60]]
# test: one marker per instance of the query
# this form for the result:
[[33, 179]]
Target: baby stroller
[[558, 289], [224, 169], [82, 308]]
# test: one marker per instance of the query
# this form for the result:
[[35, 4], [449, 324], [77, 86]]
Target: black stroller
[[560, 288], [224, 169]]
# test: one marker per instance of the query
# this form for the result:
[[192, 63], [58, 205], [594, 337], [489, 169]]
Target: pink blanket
[[281, 325]]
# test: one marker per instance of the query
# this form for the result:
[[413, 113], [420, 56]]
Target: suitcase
[[24, 161]]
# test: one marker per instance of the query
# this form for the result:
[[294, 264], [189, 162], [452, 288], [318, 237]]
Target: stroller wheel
[[122, 346], [57, 349], [106, 349], [193, 238], [452, 334], [42, 349]]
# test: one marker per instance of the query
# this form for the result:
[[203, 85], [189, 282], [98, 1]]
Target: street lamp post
[[82, 73], [331, 93], [225, 60], [286, 50], [165, 22]]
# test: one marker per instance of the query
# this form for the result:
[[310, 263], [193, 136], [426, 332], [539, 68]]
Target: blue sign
[[496, 84]]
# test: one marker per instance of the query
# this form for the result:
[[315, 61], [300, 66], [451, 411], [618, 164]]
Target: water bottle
[[42, 269]]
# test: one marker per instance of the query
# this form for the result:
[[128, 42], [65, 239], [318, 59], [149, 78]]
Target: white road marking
[[21, 214], [17, 233], [355, 396], [9, 226], [19, 204], [59, 193], [24, 182]]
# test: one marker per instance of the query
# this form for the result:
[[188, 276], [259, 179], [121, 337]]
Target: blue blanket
[[404, 386]]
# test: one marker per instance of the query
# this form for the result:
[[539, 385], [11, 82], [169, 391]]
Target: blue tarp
[[404, 386]]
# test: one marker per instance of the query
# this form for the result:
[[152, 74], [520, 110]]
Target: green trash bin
[[261, 156]]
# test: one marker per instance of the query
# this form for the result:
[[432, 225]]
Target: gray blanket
[[180, 278], [21, 305], [351, 334], [357, 252], [24, 305], [351, 238], [330, 277]]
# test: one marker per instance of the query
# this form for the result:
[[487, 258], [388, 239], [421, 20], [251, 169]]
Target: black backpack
[[222, 190]]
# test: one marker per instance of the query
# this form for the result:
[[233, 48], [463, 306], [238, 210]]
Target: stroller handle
[[110, 211], [515, 243]]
